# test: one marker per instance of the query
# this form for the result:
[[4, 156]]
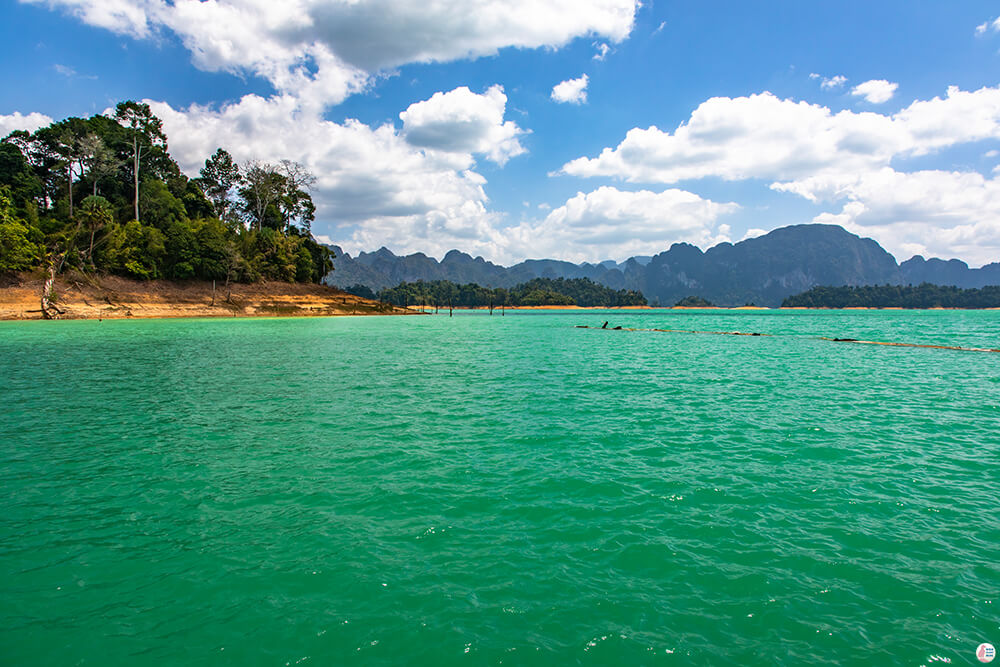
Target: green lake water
[[485, 490]]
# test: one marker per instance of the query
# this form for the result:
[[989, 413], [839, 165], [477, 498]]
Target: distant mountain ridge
[[762, 270]]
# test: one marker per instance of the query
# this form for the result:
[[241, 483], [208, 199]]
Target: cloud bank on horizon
[[427, 124]]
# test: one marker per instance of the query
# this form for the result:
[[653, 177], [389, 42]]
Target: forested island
[[924, 295], [536, 292], [694, 302], [101, 195]]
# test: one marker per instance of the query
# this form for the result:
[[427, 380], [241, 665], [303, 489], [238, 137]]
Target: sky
[[583, 130]]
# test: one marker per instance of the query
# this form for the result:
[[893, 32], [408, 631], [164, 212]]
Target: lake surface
[[500, 490]]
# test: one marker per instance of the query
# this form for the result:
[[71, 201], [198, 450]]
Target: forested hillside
[[896, 296], [102, 194]]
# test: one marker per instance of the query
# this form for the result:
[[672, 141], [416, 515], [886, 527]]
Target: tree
[[218, 177], [18, 249], [98, 160], [123, 163], [162, 208], [63, 143], [96, 214], [296, 200], [145, 134], [262, 188], [275, 196], [17, 174]]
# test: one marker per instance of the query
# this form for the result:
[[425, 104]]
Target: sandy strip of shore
[[82, 296]]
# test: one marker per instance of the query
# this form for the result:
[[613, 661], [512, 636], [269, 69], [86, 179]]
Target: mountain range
[[762, 270]]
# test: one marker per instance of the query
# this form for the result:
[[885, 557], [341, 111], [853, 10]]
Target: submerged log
[[931, 347]]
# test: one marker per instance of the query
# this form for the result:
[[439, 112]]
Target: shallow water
[[500, 490]]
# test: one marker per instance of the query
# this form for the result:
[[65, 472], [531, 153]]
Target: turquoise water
[[500, 490]]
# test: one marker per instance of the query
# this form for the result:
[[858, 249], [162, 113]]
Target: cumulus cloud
[[414, 188], [602, 50], [461, 121], [405, 188], [930, 213], [764, 137], [324, 50], [571, 91], [828, 157], [876, 91], [831, 83], [19, 121], [988, 26], [609, 222], [131, 17]]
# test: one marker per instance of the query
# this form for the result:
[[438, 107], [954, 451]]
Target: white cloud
[[876, 91], [19, 121], [828, 84], [131, 17], [659, 28], [373, 186], [614, 223], [461, 121], [831, 83], [931, 213], [993, 26], [324, 50], [824, 156], [764, 137], [71, 73], [571, 91], [602, 50]]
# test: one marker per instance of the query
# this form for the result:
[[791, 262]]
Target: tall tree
[[296, 201], [218, 177], [97, 159], [145, 133], [262, 188], [16, 172], [96, 213], [64, 141]]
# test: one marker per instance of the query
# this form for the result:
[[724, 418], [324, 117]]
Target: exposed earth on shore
[[82, 296]]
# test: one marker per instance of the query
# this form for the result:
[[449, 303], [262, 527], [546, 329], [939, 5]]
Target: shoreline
[[86, 296], [429, 310], [90, 297]]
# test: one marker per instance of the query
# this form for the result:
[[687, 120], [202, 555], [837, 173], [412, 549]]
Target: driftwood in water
[[932, 347], [714, 333], [834, 340]]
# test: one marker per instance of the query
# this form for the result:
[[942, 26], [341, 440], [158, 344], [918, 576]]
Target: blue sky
[[447, 127]]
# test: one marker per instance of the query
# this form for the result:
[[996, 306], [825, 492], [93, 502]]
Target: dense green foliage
[[537, 292], [924, 295], [694, 302], [103, 194]]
